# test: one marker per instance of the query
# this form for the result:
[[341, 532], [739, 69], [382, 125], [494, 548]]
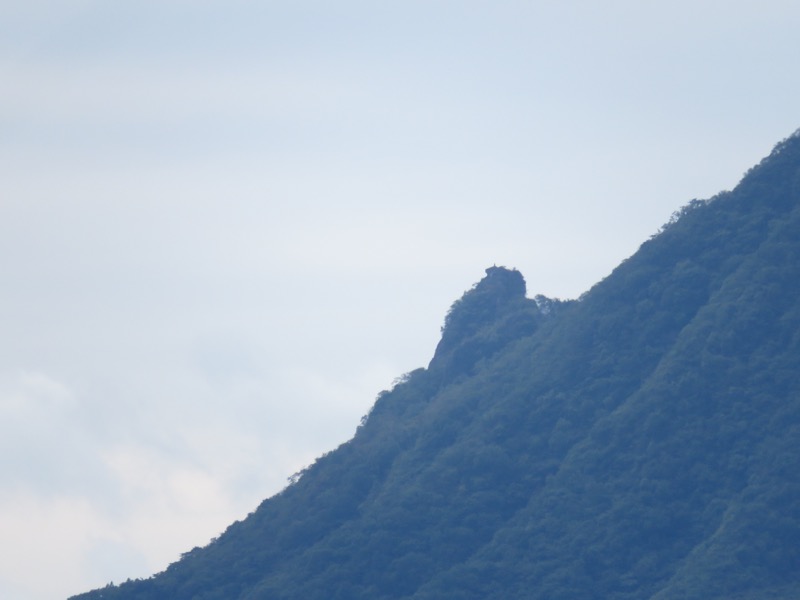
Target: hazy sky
[[226, 226]]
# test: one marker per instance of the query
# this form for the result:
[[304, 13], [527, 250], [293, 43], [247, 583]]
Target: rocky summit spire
[[485, 302], [486, 307]]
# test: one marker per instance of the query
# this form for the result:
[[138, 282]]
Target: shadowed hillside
[[641, 442]]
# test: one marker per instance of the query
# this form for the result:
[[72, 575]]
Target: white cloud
[[30, 398], [86, 509], [44, 535], [39, 433]]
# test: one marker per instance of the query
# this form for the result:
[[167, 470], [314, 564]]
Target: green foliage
[[643, 442]]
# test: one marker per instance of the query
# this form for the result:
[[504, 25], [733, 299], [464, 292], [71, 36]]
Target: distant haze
[[226, 226]]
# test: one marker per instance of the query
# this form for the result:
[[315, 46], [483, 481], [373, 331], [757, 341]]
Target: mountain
[[642, 442]]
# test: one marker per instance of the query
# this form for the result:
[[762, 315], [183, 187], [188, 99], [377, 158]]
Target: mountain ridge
[[640, 442]]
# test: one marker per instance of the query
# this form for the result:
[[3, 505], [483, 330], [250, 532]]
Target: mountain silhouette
[[641, 442]]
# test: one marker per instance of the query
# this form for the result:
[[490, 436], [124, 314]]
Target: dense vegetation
[[641, 442]]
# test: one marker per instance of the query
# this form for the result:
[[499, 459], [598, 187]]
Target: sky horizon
[[226, 227]]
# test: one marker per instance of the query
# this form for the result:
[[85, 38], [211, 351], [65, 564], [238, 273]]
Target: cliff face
[[483, 321], [643, 442]]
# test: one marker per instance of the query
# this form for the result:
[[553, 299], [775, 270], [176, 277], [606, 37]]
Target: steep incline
[[642, 442], [689, 487]]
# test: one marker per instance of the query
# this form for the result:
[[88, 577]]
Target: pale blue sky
[[226, 226]]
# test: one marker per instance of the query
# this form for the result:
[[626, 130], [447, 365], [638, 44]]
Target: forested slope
[[641, 442]]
